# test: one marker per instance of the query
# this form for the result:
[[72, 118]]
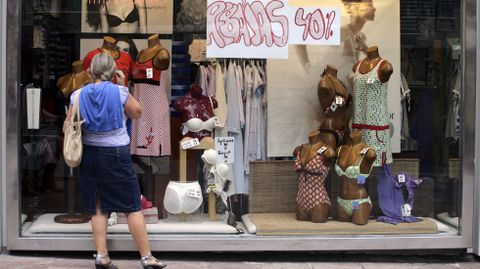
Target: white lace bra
[[197, 125]]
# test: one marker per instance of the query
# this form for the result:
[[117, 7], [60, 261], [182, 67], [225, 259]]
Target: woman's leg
[[138, 229], [99, 227]]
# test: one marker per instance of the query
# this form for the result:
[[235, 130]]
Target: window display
[[374, 124]]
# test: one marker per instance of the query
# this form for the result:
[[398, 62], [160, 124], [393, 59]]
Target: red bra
[[146, 73]]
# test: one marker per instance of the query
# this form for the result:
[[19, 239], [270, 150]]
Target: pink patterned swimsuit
[[311, 182]]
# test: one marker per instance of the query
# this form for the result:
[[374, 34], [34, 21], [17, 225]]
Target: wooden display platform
[[284, 224]]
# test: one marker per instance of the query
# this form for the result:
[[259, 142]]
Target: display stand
[[204, 144], [71, 217]]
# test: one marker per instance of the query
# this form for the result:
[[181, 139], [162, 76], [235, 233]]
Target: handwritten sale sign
[[225, 149], [264, 29]]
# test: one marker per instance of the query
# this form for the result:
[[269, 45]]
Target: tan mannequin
[[335, 119], [155, 51], [305, 154], [372, 59], [75, 80], [354, 154], [109, 46]]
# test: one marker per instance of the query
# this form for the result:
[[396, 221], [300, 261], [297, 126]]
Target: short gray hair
[[102, 67]]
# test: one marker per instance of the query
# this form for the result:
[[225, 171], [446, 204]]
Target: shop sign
[[225, 149], [264, 29]]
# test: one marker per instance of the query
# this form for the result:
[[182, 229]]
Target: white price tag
[[194, 192], [370, 80], [190, 143], [339, 100], [322, 150], [401, 178], [333, 107], [149, 72], [216, 122], [406, 210]]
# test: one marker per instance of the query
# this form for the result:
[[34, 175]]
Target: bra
[[353, 171], [114, 21], [197, 125]]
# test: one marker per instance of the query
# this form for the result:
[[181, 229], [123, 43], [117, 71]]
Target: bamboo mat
[[280, 224]]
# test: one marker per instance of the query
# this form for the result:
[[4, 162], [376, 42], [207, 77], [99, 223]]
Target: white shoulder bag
[[72, 143]]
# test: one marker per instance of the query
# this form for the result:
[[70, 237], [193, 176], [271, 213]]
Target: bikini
[[114, 21], [353, 173]]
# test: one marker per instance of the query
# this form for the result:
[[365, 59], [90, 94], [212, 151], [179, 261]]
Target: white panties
[[182, 197]]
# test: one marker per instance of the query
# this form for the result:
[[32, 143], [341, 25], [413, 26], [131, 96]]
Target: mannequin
[[370, 86], [75, 80], [194, 107], [122, 59], [354, 163], [151, 132], [312, 163], [335, 101]]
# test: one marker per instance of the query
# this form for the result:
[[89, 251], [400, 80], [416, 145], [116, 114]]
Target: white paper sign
[[247, 29], [314, 26], [225, 149]]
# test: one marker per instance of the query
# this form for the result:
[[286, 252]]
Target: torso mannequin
[[123, 60], [151, 132], [75, 80], [353, 165], [371, 114], [196, 113], [313, 162], [335, 100]]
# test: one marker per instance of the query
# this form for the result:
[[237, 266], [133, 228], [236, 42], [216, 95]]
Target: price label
[[355, 205], [361, 180], [339, 100], [194, 192], [401, 178], [216, 122], [190, 143], [370, 80], [406, 210], [322, 150], [333, 107], [149, 72]]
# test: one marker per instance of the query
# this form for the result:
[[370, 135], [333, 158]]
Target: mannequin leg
[[301, 214], [360, 216], [341, 215], [320, 213]]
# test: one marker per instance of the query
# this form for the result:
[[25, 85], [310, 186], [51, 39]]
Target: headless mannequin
[[196, 105], [155, 51], [307, 152], [328, 88], [372, 59], [349, 155], [109, 46], [75, 80]]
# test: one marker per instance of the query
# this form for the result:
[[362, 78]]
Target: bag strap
[[76, 108]]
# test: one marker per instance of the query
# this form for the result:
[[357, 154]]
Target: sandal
[[101, 265], [150, 262]]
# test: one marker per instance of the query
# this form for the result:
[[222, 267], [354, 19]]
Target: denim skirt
[[109, 174]]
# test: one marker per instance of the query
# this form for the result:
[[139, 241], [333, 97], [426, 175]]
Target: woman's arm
[[133, 108], [142, 15]]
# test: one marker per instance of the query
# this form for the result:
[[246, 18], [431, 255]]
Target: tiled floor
[[248, 261]]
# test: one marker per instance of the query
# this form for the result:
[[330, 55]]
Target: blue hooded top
[[100, 107]]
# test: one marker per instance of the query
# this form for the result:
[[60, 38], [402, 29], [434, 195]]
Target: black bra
[[114, 21]]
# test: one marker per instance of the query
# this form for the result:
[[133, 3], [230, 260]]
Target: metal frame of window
[[464, 240]]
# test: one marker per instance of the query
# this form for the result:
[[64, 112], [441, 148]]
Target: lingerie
[[351, 205], [337, 134], [311, 185], [353, 171], [197, 125], [182, 197], [114, 21]]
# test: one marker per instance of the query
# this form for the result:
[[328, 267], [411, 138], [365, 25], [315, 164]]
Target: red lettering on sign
[[316, 24], [251, 23]]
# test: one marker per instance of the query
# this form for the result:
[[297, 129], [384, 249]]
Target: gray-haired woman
[[107, 179]]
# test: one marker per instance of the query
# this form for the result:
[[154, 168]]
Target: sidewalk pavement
[[42, 260]]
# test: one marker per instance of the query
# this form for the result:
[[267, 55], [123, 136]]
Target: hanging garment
[[311, 182], [211, 88], [151, 132], [390, 198], [405, 101], [123, 61], [221, 110], [453, 118], [201, 79], [234, 128], [371, 113]]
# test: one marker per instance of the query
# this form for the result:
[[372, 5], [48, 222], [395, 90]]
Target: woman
[[107, 178], [116, 16]]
